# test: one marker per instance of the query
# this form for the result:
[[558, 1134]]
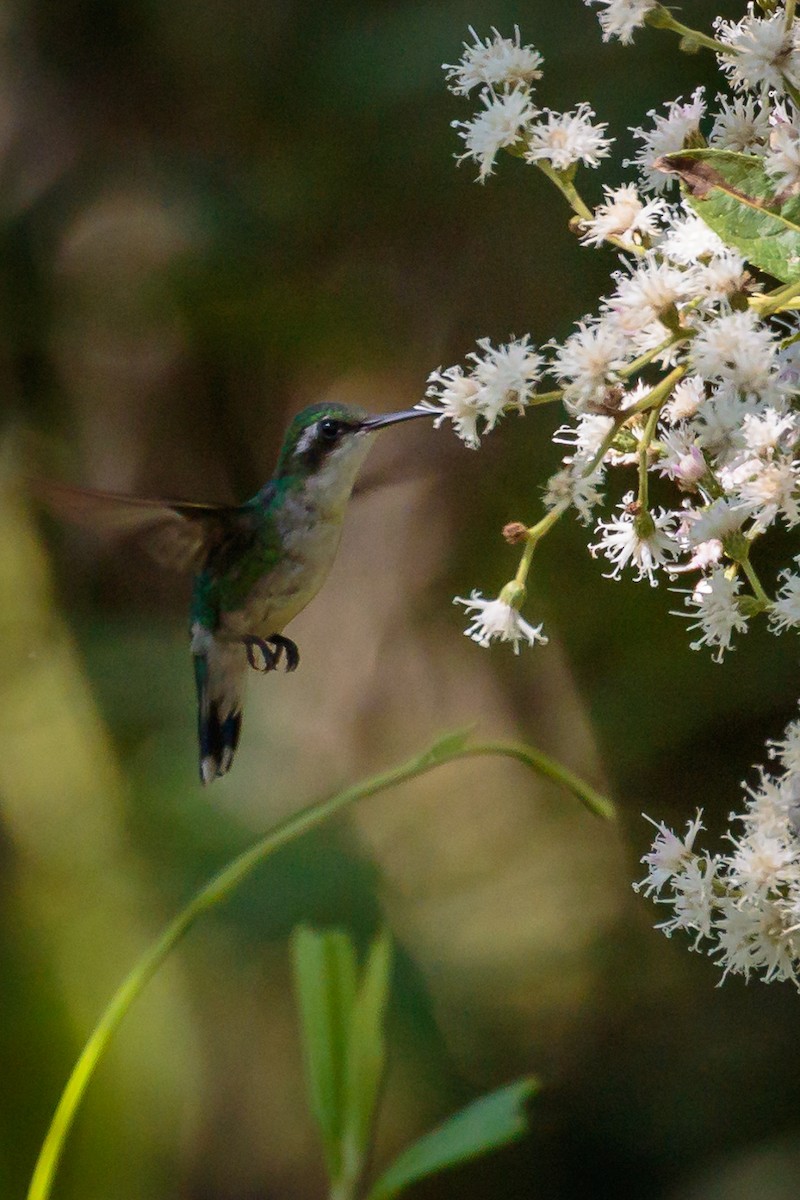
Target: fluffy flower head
[[505, 120], [620, 18], [496, 62], [564, 139]]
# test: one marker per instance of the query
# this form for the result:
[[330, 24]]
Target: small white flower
[[753, 937], [782, 159], [586, 435], [770, 805], [568, 138], [721, 276], [761, 862], [769, 489], [650, 290], [505, 120], [766, 55], [693, 899], [768, 431], [719, 424], [688, 238], [507, 376], [454, 396], [785, 612], [643, 541], [623, 216], [681, 458], [718, 614], [736, 348], [588, 362], [742, 125], [715, 522], [704, 555], [669, 133], [787, 748], [620, 18], [668, 855], [502, 377], [575, 485], [686, 398], [496, 619], [495, 62]]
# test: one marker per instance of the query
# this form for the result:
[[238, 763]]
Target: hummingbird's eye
[[329, 429]]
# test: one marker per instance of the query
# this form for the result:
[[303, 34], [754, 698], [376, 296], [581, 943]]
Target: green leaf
[[736, 198], [486, 1124], [324, 967], [366, 1056]]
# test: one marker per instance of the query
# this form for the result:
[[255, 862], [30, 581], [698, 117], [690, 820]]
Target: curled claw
[[269, 657], [264, 654], [288, 647]]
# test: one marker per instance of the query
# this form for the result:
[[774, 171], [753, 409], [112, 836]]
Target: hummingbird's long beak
[[408, 414]]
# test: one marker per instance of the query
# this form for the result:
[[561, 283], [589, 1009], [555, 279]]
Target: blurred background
[[212, 214]]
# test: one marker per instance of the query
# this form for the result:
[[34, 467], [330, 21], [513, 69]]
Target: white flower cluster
[[505, 72], [685, 384], [500, 378], [683, 381], [741, 907]]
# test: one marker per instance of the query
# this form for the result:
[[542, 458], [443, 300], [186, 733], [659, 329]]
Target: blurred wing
[[177, 534]]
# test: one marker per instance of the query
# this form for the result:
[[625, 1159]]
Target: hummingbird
[[256, 565]]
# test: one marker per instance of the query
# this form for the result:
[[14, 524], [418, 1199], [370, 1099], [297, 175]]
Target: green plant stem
[[662, 18], [567, 189], [755, 583], [644, 449], [774, 301], [657, 395], [546, 397], [536, 532], [643, 360], [225, 882], [789, 12]]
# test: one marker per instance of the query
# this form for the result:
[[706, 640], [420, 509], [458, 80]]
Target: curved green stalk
[[661, 18], [220, 887]]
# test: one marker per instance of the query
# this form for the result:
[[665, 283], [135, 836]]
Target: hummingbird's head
[[328, 443]]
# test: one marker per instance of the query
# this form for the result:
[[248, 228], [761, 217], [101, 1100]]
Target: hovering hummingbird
[[257, 564]]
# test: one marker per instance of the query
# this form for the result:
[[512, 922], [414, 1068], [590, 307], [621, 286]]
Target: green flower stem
[[786, 342], [535, 534], [225, 882], [605, 445], [567, 189], [755, 583], [656, 397], [644, 450], [773, 302], [633, 368], [546, 397], [789, 11], [662, 18]]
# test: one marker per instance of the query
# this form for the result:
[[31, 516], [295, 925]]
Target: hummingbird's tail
[[219, 671]]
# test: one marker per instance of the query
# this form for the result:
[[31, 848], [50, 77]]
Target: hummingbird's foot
[[288, 647], [264, 654], [260, 655]]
